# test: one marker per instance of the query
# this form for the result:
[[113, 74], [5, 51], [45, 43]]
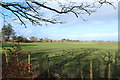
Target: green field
[[66, 58], [37, 47]]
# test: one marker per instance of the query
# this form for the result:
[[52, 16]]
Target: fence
[[78, 68]]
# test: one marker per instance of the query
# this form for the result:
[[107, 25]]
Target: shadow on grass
[[12, 44], [65, 64]]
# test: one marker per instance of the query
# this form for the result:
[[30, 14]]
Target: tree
[[14, 37], [21, 39], [33, 10], [1, 37], [33, 39], [63, 39], [7, 32]]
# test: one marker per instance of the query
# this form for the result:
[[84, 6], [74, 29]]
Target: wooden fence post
[[81, 72], [91, 74], [109, 71], [29, 63], [6, 57]]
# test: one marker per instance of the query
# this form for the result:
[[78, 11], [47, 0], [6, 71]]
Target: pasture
[[51, 46], [70, 59]]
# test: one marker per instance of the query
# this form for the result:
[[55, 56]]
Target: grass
[[64, 57], [36, 47]]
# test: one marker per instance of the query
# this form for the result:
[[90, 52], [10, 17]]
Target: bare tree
[[33, 10]]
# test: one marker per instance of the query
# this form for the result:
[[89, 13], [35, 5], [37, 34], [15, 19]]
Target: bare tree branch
[[30, 10]]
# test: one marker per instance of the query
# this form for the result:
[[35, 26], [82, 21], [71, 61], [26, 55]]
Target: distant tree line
[[8, 34]]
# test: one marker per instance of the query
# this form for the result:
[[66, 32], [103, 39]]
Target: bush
[[14, 63]]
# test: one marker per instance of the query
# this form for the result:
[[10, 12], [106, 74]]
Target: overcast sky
[[101, 25]]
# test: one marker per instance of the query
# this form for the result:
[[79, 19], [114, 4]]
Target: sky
[[100, 25]]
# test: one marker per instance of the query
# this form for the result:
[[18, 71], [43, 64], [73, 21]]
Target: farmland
[[36, 47], [69, 59]]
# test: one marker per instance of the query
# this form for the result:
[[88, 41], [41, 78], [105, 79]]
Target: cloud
[[100, 34], [90, 36], [113, 36]]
